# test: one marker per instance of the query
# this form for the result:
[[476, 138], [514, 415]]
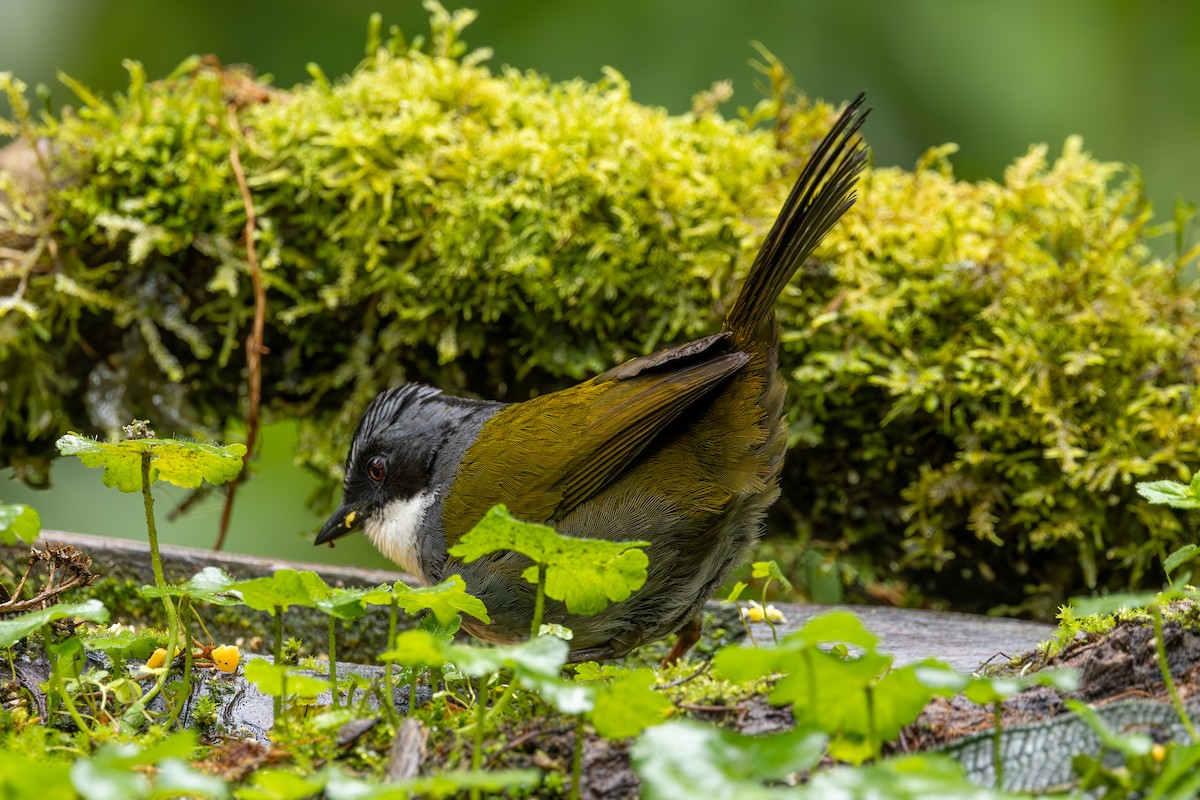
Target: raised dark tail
[[823, 192]]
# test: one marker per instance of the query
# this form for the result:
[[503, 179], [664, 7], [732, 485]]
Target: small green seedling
[[857, 698], [134, 464], [585, 574], [536, 663], [275, 594], [19, 522], [444, 602]]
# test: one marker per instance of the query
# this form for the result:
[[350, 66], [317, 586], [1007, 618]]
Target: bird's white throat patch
[[393, 531]]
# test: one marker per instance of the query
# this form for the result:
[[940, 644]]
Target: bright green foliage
[[186, 464], [982, 690], [685, 760], [917, 777], [1172, 493], [627, 706], [444, 601], [282, 589], [279, 784], [124, 644], [979, 371], [19, 521], [210, 585], [279, 680], [855, 697], [586, 574], [14, 629], [536, 663], [117, 772]]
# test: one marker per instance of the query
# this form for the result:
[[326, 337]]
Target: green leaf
[[496, 783], [343, 603], [19, 521], [535, 663], [444, 600], [14, 629], [687, 760], [586, 574], [742, 664], [628, 706], [736, 592], [23, 777], [113, 772], [281, 784], [280, 679], [1180, 556], [282, 589], [918, 777], [1109, 603], [124, 644], [209, 585], [186, 464], [1172, 493], [771, 571]]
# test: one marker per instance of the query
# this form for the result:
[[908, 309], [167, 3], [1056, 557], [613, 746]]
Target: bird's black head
[[387, 486]]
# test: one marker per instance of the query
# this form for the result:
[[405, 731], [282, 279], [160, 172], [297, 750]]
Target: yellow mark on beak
[[349, 521]]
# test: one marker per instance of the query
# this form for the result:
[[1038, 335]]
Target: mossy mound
[[979, 370]]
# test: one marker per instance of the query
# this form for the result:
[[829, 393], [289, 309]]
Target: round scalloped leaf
[[183, 463]]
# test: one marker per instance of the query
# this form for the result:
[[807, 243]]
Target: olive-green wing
[[544, 457]]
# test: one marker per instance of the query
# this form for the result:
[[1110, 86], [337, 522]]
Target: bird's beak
[[347, 519]]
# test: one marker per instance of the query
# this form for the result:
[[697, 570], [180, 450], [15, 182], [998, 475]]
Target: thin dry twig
[[254, 342]]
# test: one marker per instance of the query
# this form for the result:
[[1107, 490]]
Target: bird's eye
[[377, 469]]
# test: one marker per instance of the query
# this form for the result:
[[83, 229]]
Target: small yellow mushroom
[[156, 659], [226, 657]]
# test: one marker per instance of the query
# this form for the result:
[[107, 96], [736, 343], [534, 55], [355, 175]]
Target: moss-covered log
[[979, 371]]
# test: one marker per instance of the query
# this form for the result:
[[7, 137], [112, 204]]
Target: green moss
[[979, 371]]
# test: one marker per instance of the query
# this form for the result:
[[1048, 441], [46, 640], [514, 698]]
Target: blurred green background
[[992, 77]]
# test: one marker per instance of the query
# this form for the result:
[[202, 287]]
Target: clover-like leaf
[[628, 706], [917, 777], [186, 464], [771, 571], [688, 759], [282, 589], [586, 574], [494, 783], [19, 521], [444, 600], [210, 585], [14, 629], [536, 663], [279, 679]]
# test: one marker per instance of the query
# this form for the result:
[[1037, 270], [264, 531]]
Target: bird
[[681, 448]]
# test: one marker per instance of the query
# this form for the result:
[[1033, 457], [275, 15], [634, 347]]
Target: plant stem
[[480, 715], [387, 668], [872, 736], [333, 684], [499, 706], [412, 691], [159, 579], [278, 658], [187, 663], [1160, 645], [539, 604], [577, 759], [997, 738]]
